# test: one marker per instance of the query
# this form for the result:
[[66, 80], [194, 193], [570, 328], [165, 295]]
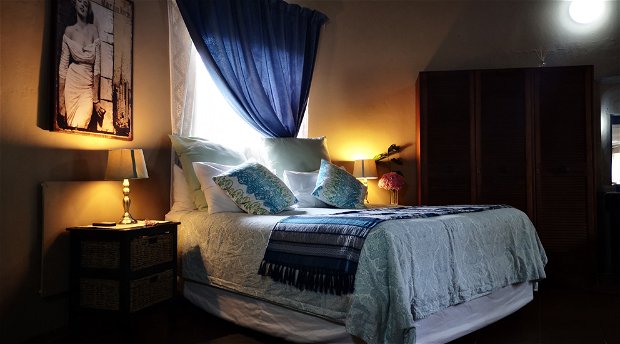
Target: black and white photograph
[[94, 53], [310, 171]]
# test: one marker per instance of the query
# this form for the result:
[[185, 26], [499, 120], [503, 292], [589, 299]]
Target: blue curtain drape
[[262, 53]]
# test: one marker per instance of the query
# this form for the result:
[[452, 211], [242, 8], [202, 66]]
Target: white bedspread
[[225, 250], [408, 269]]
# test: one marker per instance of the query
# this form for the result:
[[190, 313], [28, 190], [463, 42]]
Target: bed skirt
[[440, 327]]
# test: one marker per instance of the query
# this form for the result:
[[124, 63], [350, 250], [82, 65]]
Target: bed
[[418, 280]]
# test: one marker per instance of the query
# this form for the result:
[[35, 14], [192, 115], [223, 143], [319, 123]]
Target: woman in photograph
[[80, 69]]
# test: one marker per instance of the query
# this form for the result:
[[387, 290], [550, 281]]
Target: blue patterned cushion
[[338, 188], [255, 189]]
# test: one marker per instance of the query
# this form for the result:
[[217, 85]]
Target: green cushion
[[193, 149], [295, 154]]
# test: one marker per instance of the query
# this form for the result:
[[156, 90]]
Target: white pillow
[[181, 197], [294, 154], [302, 184], [193, 149], [217, 200]]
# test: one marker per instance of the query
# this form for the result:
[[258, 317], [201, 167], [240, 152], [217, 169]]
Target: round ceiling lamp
[[586, 11]]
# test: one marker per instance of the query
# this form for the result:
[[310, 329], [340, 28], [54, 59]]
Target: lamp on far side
[[125, 164], [364, 170]]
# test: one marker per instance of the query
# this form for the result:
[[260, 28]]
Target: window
[[615, 168], [214, 118]]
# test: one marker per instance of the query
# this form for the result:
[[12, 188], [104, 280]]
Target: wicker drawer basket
[[145, 251], [150, 290], [100, 294], [100, 254], [104, 294], [151, 250]]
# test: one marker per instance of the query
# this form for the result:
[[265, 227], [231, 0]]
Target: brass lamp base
[[127, 219], [365, 183]]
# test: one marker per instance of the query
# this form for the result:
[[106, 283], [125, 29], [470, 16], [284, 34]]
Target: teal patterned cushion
[[255, 189], [338, 188]]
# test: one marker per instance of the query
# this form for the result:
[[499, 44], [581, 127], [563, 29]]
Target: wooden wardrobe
[[522, 137]]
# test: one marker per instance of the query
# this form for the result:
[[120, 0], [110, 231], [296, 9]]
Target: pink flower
[[391, 181]]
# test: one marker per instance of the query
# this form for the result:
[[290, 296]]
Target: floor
[[558, 317], [555, 316]]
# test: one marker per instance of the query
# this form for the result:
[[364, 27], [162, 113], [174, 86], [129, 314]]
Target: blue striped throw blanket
[[320, 253]]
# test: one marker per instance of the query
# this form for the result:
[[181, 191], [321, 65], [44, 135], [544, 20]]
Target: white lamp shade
[[126, 164], [366, 168]]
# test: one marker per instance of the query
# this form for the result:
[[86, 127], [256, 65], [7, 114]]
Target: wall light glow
[[586, 11]]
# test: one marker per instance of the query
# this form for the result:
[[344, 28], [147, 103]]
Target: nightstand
[[123, 268]]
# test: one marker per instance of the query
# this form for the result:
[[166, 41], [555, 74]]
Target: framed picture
[[93, 67]]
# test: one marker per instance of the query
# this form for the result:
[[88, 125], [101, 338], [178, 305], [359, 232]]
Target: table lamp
[[363, 170], [125, 164]]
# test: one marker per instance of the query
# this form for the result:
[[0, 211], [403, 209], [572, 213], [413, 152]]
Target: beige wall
[[30, 155], [362, 96], [362, 99]]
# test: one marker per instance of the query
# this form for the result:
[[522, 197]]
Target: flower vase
[[394, 197]]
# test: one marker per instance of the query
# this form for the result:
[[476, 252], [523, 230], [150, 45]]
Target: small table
[[123, 268]]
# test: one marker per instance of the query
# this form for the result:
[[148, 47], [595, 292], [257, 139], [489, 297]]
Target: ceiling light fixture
[[586, 11]]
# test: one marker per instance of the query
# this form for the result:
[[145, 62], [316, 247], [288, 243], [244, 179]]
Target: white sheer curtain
[[182, 73], [197, 106]]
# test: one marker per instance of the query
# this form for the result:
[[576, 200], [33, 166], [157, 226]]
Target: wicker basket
[[99, 294], [145, 252], [100, 254], [105, 294], [150, 290], [151, 250]]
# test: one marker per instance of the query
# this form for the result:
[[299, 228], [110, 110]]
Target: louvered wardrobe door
[[445, 134], [502, 127], [564, 167]]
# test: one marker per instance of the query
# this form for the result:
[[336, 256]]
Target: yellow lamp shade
[[366, 168], [126, 164]]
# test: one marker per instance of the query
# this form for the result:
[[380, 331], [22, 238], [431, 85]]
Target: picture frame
[[93, 68]]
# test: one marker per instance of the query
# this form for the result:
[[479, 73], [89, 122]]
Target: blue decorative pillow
[[338, 188], [255, 189]]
